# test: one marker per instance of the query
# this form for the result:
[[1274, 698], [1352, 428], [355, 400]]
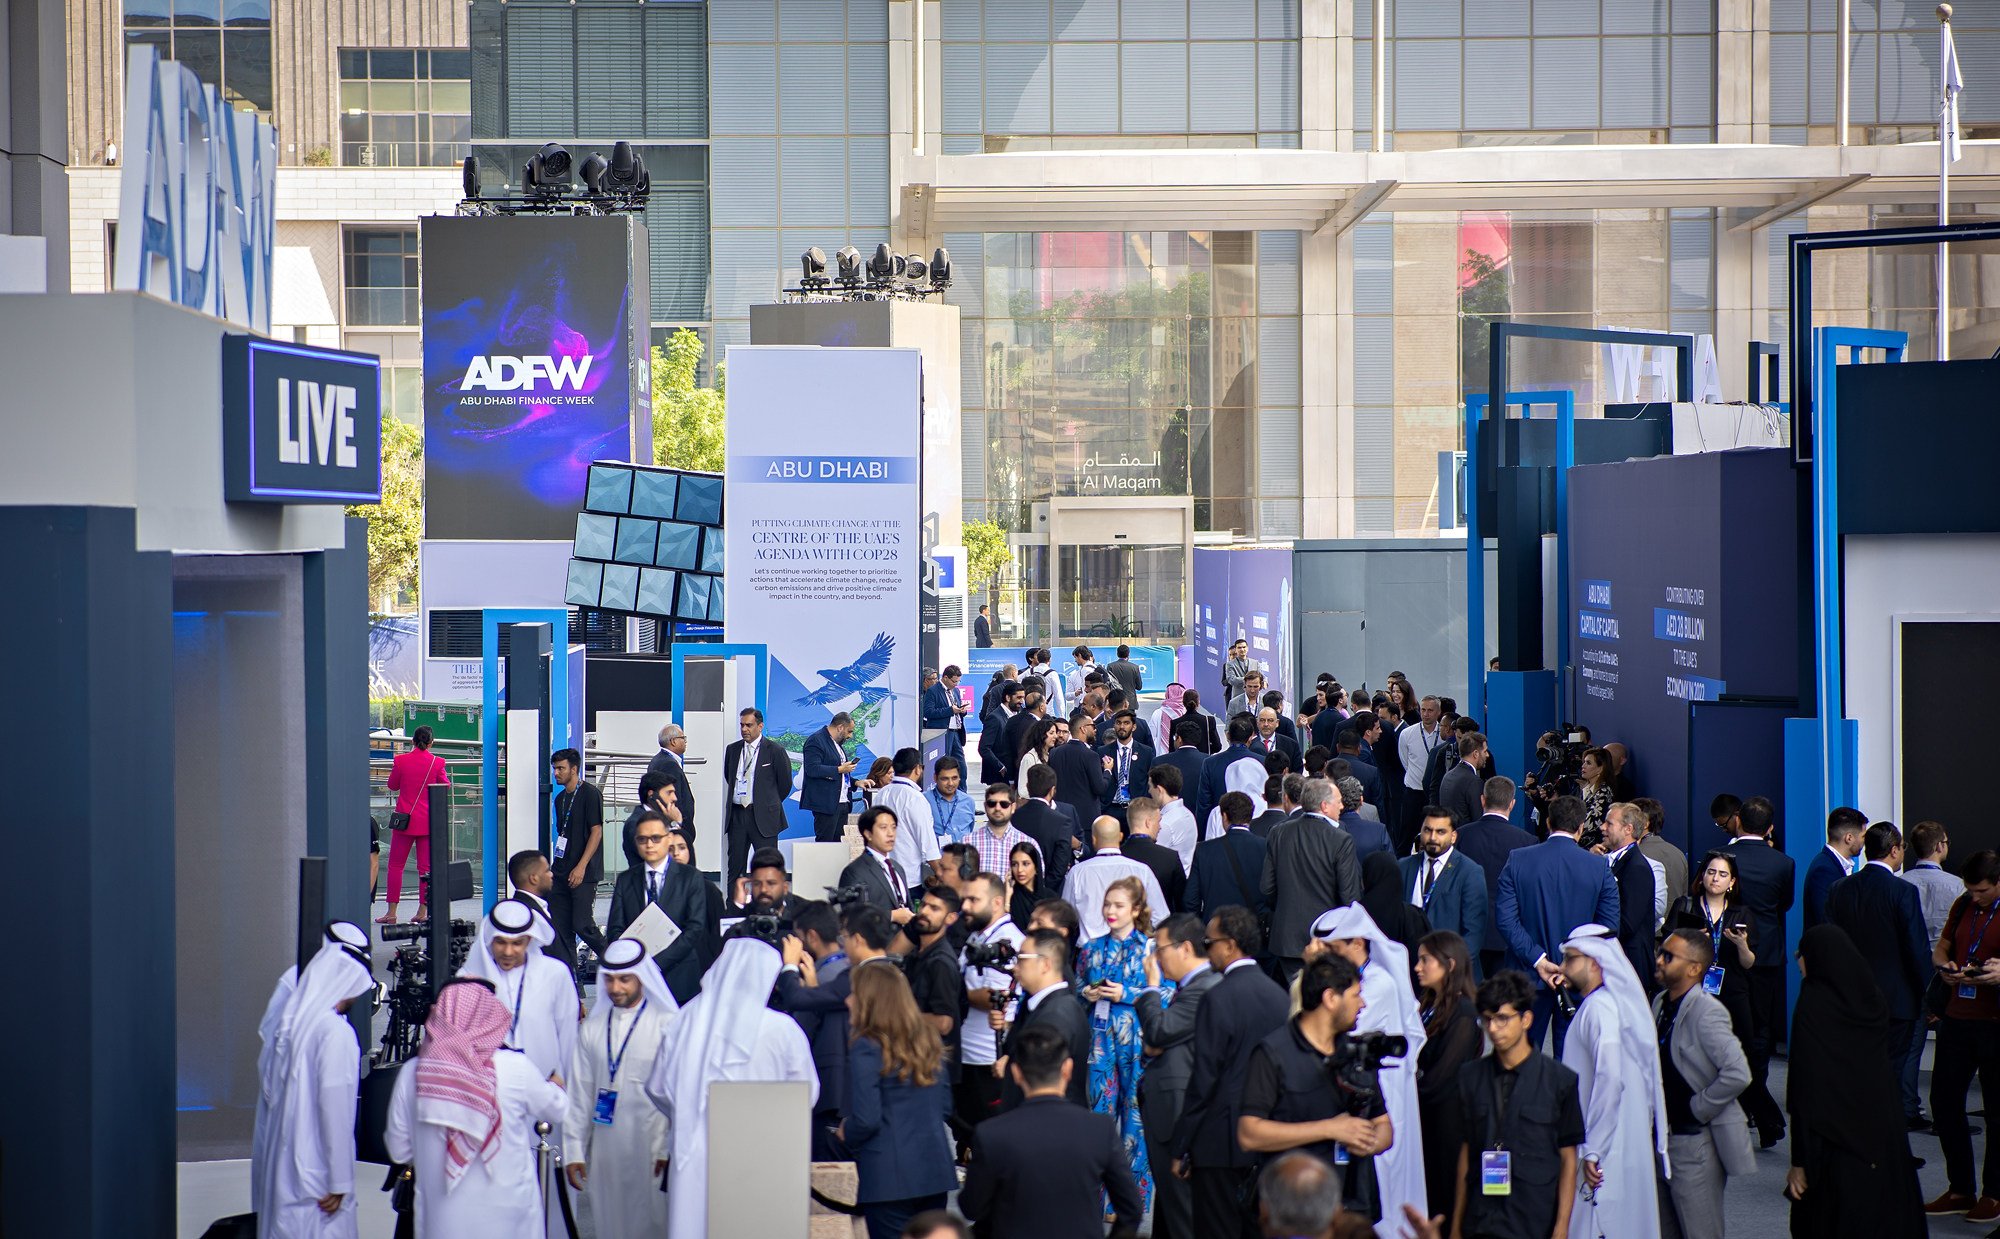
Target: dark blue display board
[[1683, 588], [534, 367]]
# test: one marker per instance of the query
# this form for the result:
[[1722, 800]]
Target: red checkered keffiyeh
[[456, 1088]]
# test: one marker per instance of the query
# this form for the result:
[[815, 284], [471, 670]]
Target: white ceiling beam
[[1818, 192], [1358, 206]]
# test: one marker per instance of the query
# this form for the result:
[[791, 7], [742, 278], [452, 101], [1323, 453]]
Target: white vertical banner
[[825, 540]]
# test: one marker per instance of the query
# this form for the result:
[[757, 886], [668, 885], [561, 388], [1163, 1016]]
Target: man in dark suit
[[1368, 833], [982, 629], [1226, 869], [532, 880], [1764, 886], [1311, 865], [1143, 845], [1239, 1010], [1447, 884], [821, 1008], [1463, 787], [1168, 1032], [823, 788], [1633, 873], [677, 891], [1269, 740], [1188, 758], [1885, 917], [1083, 779], [939, 709], [1047, 1001], [875, 871], [1034, 708], [1053, 827], [669, 765], [1347, 748], [1038, 1170], [1274, 806], [1214, 771], [1546, 891], [1130, 760], [1844, 829], [1488, 842], [1128, 675], [1001, 703], [758, 775]]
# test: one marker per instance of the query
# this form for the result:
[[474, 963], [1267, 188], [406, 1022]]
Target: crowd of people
[[1199, 975]]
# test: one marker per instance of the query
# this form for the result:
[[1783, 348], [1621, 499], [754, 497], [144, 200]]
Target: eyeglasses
[[1498, 1017], [650, 838], [1665, 954]]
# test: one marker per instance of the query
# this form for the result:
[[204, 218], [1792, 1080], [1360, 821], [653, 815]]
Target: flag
[[1948, 103]]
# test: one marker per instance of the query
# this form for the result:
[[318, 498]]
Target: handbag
[[399, 820]]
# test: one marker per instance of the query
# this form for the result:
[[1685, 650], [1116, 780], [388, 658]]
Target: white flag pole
[[1948, 87]]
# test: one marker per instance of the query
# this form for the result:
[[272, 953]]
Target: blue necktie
[[652, 885]]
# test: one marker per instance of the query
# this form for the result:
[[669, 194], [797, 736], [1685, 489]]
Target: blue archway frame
[[490, 622]]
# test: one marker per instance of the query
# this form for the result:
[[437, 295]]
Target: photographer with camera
[[1308, 1088], [766, 890], [1391, 1014], [986, 964], [812, 988], [930, 961]]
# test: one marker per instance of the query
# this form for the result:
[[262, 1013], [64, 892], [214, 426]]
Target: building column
[[34, 131], [88, 667], [336, 719], [1326, 288], [1742, 114]]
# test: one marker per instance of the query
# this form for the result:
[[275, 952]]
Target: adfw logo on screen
[[521, 373]]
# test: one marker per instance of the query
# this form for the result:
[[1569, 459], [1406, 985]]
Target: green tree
[[687, 418], [395, 525], [986, 553], [1486, 298]]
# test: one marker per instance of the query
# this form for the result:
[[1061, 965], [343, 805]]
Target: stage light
[[547, 173], [591, 173], [940, 268], [472, 178], [627, 173], [848, 260], [812, 268], [914, 267], [882, 267]]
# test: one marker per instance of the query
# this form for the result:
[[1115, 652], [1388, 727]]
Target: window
[[379, 270], [405, 107], [227, 43]]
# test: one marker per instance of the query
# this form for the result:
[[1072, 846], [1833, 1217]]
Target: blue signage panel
[[300, 424]]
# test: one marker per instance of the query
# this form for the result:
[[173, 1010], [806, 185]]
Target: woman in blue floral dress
[[1111, 970]]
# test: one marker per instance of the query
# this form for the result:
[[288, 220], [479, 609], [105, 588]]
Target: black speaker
[[242, 1226], [371, 1118]]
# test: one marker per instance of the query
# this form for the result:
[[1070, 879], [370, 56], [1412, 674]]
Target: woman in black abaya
[[1852, 1173]]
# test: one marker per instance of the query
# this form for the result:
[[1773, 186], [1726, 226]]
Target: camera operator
[[1390, 1011], [820, 1007], [767, 890], [1299, 1091], [986, 964], [930, 961]]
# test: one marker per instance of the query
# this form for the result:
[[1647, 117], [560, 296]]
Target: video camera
[[998, 955], [408, 996], [1561, 754], [844, 897], [1355, 1062]]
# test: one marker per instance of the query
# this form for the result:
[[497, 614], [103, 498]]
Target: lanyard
[[1715, 926], [614, 1060], [520, 992], [575, 795], [1979, 935], [1434, 876]]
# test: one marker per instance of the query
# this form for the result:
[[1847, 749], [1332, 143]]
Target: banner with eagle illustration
[[824, 538]]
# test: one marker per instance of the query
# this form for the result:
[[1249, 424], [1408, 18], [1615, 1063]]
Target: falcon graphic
[[856, 676]]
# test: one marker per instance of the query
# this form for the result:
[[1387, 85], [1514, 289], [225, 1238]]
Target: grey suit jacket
[[1711, 1060], [1169, 1028], [1310, 865]]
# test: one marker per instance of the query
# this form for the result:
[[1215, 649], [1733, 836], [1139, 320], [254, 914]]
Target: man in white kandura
[[726, 1033], [267, 1029], [617, 1146], [464, 1114], [1613, 1050], [1389, 1005], [539, 993], [309, 1072]]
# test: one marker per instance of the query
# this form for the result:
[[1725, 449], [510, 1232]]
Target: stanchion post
[[438, 843]]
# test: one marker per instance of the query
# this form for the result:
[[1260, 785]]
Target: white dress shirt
[[916, 835], [1424, 861], [1178, 831], [1087, 881], [1414, 744]]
